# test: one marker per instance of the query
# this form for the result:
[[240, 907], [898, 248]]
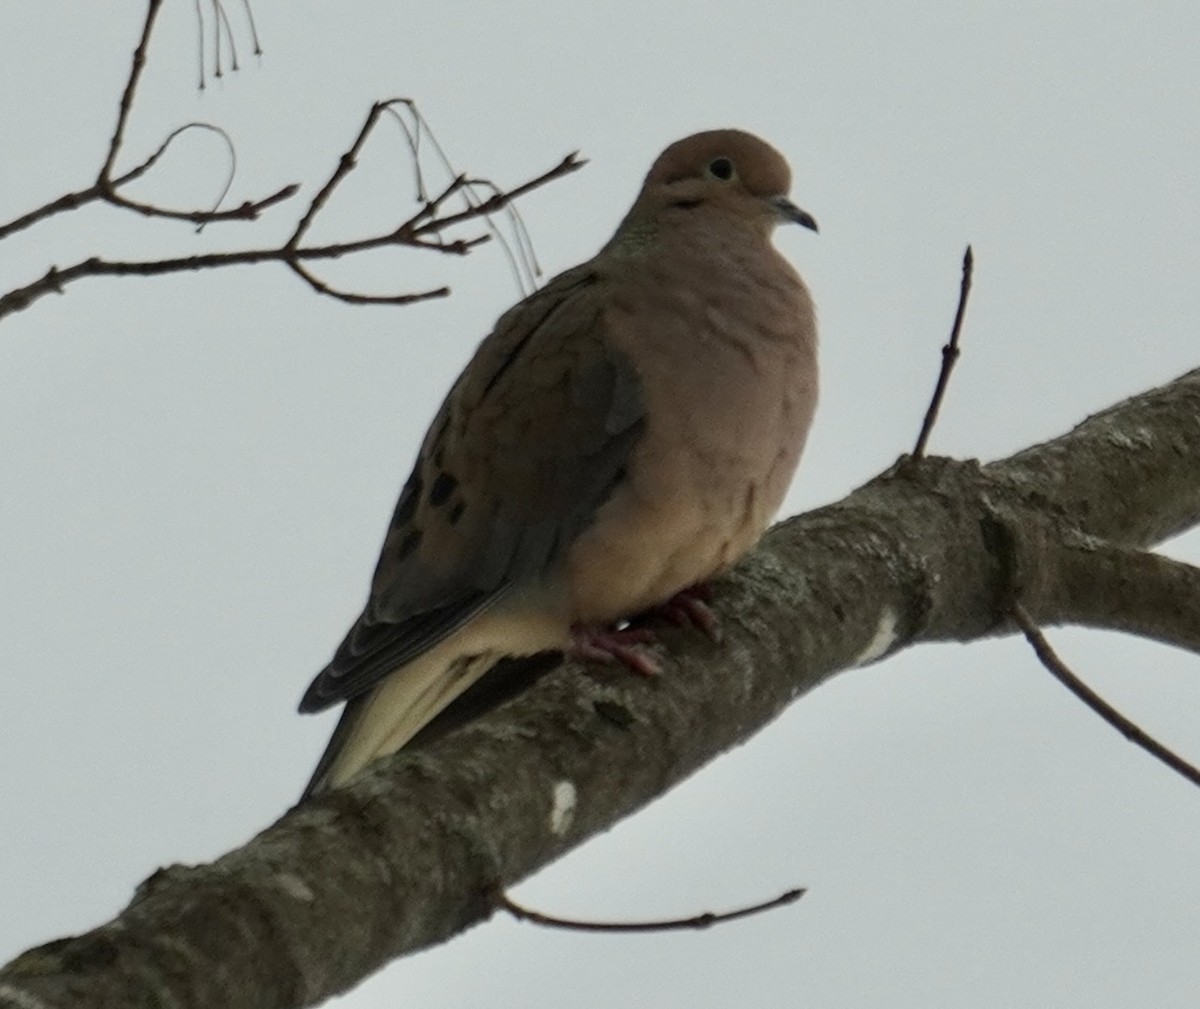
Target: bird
[[623, 436]]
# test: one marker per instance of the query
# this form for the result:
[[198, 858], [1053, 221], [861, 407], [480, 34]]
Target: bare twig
[[705, 920], [106, 187], [423, 230], [251, 210], [1118, 721], [104, 179], [949, 357], [572, 162], [352, 298], [55, 280], [68, 201], [346, 164]]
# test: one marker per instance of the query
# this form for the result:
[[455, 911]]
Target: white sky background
[[196, 471]]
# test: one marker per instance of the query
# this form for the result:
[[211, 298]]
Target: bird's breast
[[729, 383]]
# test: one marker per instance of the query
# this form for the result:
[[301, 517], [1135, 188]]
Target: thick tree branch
[[411, 852], [1097, 584]]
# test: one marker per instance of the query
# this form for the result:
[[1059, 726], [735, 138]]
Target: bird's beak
[[788, 211]]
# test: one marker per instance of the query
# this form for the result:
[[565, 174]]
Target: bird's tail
[[382, 720]]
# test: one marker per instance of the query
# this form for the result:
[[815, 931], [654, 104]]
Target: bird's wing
[[531, 440]]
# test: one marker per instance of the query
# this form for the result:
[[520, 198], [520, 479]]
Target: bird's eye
[[721, 168]]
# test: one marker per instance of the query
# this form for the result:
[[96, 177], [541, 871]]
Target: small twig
[[351, 298], [126, 105], [151, 210], [423, 230], [251, 210], [431, 205], [55, 280], [139, 170], [106, 187], [68, 201], [572, 162], [346, 164], [949, 357], [1123, 725], [705, 920], [522, 260]]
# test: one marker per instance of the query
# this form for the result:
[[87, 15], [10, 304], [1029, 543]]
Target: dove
[[623, 436]]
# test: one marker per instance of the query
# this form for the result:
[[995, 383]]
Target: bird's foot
[[688, 608], [615, 644]]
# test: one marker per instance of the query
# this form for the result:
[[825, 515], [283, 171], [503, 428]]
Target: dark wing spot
[[406, 507], [408, 544], [441, 490], [686, 204], [456, 512]]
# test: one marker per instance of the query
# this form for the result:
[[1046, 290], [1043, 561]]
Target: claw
[[689, 608], [591, 644]]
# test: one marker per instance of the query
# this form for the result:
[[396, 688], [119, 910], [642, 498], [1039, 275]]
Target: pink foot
[[689, 608], [593, 644]]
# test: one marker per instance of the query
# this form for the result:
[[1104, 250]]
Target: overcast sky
[[196, 471]]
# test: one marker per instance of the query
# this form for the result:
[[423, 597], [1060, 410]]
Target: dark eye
[[721, 168]]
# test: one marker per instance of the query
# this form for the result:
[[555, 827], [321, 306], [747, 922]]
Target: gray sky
[[197, 472]]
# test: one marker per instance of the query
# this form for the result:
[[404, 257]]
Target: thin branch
[[572, 162], [522, 261], [139, 170], [104, 179], [346, 164], [1118, 721], [430, 206], [251, 210], [949, 357], [105, 188], [351, 298], [705, 920], [423, 230], [55, 280], [68, 201]]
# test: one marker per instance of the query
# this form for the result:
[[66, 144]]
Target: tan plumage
[[623, 434]]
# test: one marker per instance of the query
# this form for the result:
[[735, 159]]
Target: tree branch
[[705, 920], [409, 854], [422, 230], [1130, 730], [55, 280], [950, 354]]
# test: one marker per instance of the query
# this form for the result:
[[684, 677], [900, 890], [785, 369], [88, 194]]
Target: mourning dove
[[624, 434]]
